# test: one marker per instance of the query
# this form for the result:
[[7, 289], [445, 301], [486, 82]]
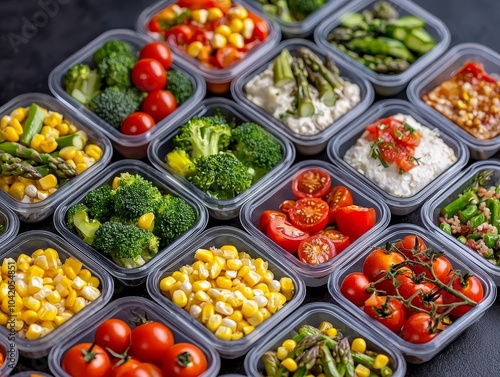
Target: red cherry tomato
[[159, 104], [113, 334], [149, 75], [339, 240], [316, 249], [154, 25], [159, 52], [339, 196], [184, 360], [223, 5], [286, 205], [309, 214], [286, 235], [389, 312], [354, 221], [226, 56], [423, 293], [144, 370], [137, 123], [377, 263], [180, 34], [311, 183], [86, 359], [118, 370], [469, 286], [260, 31], [267, 216], [411, 245], [353, 288], [150, 341], [418, 328]]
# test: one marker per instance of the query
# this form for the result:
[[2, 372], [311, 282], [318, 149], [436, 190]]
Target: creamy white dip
[[433, 154], [279, 102]]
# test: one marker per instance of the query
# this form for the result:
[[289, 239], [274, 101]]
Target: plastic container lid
[[222, 209], [313, 275], [304, 28], [387, 85], [130, 276], [219, 236], [487, 171], [414, 353], [10, 355], [214, 75], [444, 69], [129, 146], [36, 212], [313, 314], [305, 144], [122, 308], [9, 225], [27, 243], [338, 147]]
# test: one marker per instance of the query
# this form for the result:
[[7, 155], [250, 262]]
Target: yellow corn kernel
[[246, 291], [236, 25], [275, 302], [214, 14], [63, 128], [72, 129], [32, 303], [202, 296], [248, 329], [224, 333], [78, 283], [256, 319], [59, 320], [332, 332], [34, 331], [41, 261], [75, 266], [238, 11], [236, 335], [223, 308], [201, 285], [78, 159], [194, 48], [287, 287], [243, 270], [4, 187], [67, 153], [263, 287], [90, 293], [237, 40], [200, 15], [167, 14], [214, 269], [241, 325], [29, 317], [179, 298], [146, 221], [204, 255], [48, 182], [35, 285], [53, 119], [94, 282], [48, 146], [48, 325], [7, 306], [265, 313], [47, 312], [252, 278], [22, 288], [381, 361], [358, 345], [78, 305], [14, 123], [69, 272], [281, 353], [248, 28], [116, 183], [94, 151], [214, 322], [206, 312], [8, 265], [85, 274], [17, 190], [70, 299], [249, 308], [35, 271], [237, 316], [289, 345], [19, 114], [234, 264], [49, 132], [167, 283], [218, 41], [223, 282], [80, 168], [36, 141], [179, 276], [9, 134], [4, 318], [289, 364], [223, 30], [362, 371]]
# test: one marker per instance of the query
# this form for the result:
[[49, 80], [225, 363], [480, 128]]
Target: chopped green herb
[[408, 128], [375, 152], [416, 159]]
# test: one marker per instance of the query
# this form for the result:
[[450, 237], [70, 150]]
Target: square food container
[[219, 236], [339, 145], [387, 85], [10, 355], [304, 28], [28, 373], [9, 225], [36, 212], [165, 183], [218, 80], [27, 243], [222, 209], [123, 309], [414, 353], [444, 69], [313, 314], [305, 144], [313, 275], [482, 171], [129, 146]]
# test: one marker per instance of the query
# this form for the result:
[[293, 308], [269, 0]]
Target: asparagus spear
[[345, 352], [316, 64], [15, 166], [305, 107], [271, 363], [282, 71], [326, 92]]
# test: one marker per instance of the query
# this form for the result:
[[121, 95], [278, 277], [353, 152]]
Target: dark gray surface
[[25, 67]]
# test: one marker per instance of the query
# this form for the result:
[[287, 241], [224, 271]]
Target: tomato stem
[[89, 355], [184, 359]]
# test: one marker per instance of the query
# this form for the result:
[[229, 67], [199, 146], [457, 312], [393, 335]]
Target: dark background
[[26, 60]]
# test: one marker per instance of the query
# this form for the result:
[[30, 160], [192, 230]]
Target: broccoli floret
[[174, 216], [77, 219], [70, 222], [78, 71], [116, 70], [113, 104], [82, 83], [100, 203], [256, 148], [203, 136], [180, 85], [128, 245], [114, 48], [303, 8], [385, 11], [180, 162], [222, 176], [134, 197]]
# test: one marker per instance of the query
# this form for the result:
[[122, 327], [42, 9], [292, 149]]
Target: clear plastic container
[[9, 225], [313, 314], [129, 146], [387, 85], [219, 236], [414, 353], [10, 355], [27, 243], [444, 69], [489, 171], [338, 147], [304, 28], [222, 209], [36, 212], [313, 275], [165, 183], [122, 308], [305, 144], [218, 80], [30, 373]]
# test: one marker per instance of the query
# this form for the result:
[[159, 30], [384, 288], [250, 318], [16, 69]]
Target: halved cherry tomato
[[114, 334], [477, 71], [226, 56], [309, 214], [154, 25], [158, 51], [388, 311], [286, 205], [377, 263], [137, 123], [316, 249], [353, 288], [354, 221], [469, 286], [286, 235], [267, 216], [311, 183], [340, 240], [418, 328], [159, 104], [339, 196], [260, 31], [180, 34]]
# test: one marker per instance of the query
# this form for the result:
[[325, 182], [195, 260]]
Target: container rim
[[11, 225]]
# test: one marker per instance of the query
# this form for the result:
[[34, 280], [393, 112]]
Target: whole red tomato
[[159, 104], [159, 52], [316, 249], [285, 235], [150, 341], [311, 183], [121, 367], [149, 75], [309, 214], [418, 328], [86, 359], [137, 123], [389, 312], [470, 287], [339, 196], [266, 217], [144, 370], [354, 221], [114, 334], [353, 288], [423, 292], [377, 263], [184, 360], [411, 245], [441, 267]]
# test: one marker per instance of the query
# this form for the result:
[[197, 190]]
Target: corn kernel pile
[[47, 292], [227, 291], [55, 126]]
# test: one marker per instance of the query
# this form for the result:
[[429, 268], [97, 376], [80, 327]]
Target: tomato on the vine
[[354, 221], [311, 183], [266, 217], [86, 359], [184, 360], [441, 267], [144, 370], [114, 334], [470, 287], [286, 235], [316, 249], [150, 341], [158, 51], [340, 240], [309, 214], [339, 196], [389, 312], [411, 245], [377, 263], [149, 75], [423, 292], [354, 287], [418, 328], [159, 104], [137, 123]]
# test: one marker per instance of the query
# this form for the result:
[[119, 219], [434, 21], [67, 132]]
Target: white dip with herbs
[[433, 155], [280, 102]]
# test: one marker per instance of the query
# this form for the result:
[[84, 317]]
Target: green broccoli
[[174, 216], [114, 48], [134, 197], [180, 85], [82, 83], [203, 136], [116, 70], [222, 176], [180, 162], [113, 104], [303, 8], [77, 219], [100, 203], [256, 148], [128, 245]]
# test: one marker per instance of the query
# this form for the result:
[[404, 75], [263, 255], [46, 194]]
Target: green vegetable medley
[[130, 220], [221, 159], [291, 10]]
